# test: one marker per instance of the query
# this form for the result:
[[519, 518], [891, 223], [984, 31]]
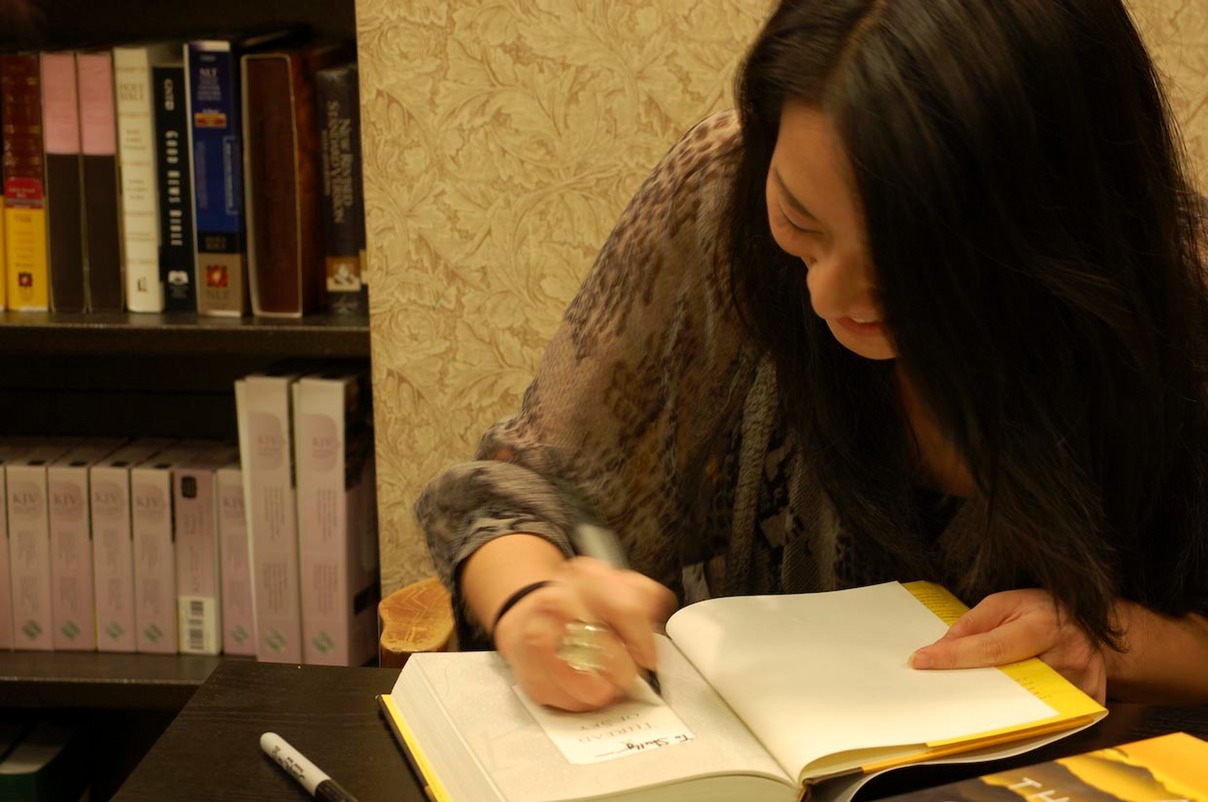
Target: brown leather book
[[282, 182]]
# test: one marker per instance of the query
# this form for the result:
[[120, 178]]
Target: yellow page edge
[[1037, 677], [433, 787]]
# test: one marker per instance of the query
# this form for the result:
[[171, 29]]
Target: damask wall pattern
[[502, 138]]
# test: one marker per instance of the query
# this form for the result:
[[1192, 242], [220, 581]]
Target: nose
[[839, 286]]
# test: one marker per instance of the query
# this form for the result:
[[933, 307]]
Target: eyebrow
[[797, 205]]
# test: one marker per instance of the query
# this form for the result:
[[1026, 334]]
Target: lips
[[862, 327]]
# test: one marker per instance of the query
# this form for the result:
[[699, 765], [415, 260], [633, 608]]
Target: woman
[[930, 306]]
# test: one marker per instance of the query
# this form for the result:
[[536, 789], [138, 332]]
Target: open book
[[764, 698]]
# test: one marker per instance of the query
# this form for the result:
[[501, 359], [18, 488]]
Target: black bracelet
[[516, 597]]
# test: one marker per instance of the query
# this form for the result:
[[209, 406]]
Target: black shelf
[[314, 336], [96, 681]]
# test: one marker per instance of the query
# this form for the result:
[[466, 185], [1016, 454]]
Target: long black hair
[[1038, 258]]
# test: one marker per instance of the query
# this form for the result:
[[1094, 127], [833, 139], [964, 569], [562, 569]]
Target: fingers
[[625, 605], [1013, 641]]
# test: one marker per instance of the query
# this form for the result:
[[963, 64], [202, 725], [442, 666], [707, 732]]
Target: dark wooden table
[[212, 752]]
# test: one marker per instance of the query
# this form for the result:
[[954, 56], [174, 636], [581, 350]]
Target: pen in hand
[[317, 783], [592, 540]]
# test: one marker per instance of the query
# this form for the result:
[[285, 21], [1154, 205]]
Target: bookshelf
[[132, 374]]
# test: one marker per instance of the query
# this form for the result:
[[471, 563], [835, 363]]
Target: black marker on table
[[590, 539], [317, 783]]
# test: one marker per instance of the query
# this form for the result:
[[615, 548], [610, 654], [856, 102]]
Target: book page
[[818, 674], [625, 728], [470, 725]]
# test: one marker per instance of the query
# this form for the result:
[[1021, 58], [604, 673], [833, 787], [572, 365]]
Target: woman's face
[[815, 216]]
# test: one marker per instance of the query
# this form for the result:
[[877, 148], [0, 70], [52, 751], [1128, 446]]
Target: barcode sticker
[[198, 624]]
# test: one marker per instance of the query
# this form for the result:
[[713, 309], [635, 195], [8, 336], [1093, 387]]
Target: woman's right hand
[[629, 605]]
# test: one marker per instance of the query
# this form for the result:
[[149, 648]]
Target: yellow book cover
[[3, 274], [25, 258], [1169, 767]]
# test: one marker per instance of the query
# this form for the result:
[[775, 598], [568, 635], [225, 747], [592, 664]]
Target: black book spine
[[177, 264], [343, 193]]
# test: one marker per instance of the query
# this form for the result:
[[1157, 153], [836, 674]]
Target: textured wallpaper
[[502, 138]]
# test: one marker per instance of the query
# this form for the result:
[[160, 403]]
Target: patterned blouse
[[652, 410]]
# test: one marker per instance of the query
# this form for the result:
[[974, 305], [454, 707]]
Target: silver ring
[[582, 646]]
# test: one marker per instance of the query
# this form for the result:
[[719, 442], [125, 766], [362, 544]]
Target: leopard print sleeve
[[638, 383]]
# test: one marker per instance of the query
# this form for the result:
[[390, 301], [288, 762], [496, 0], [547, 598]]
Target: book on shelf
[[212, 75], [44, 760], [763, 698], [154, 534], [343, 192], [337, 543], [10, 449], [73, 601], [1168, 767], [138, 141], [102, 194], [281, 178], [264, 414], [174, 173], [64, 180], [26, 263], [238, 613], [198, 587], [113, 542], [28, 491]]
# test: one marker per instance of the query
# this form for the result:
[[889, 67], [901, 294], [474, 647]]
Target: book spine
[[154, 559], [136, 157], [285, 238], [238, 614], [177, 264], [26, 260], [334, 473], [6, 577], [64, 212], [112, 558], [72, 594], [29, 556], [215, 138], [102, 200], [264, 418], [343, 193], [199, 617]]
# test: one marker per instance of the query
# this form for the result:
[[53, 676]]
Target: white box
[[29, 545], [113, 543], [155, 549], [10, 449], [238, 611], [194, 515], [337, 532], [263, 405], [73, 603]]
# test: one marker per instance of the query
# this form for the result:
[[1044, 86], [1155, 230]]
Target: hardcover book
[[343, 191], [102, 195], [27, 283], [64, 190], [1169, 767], [281, 168], [215, 141], [174, 170], [137, 144], [763, 698]]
